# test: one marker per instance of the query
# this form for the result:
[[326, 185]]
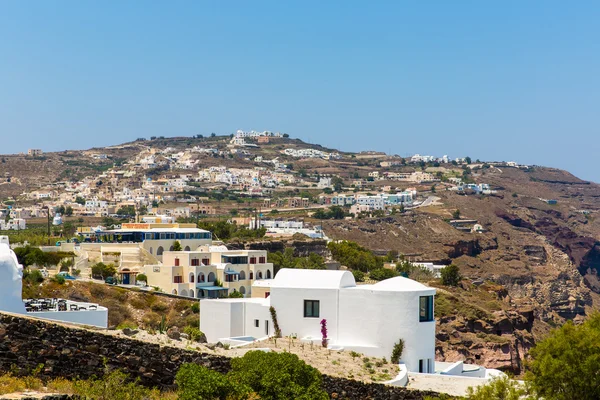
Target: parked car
[[66, 275], [111, 280]]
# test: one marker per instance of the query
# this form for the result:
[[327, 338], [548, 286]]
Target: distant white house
[[11, 286], [16, 224], [366, 318]]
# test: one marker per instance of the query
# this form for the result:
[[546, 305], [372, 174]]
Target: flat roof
[[158, 230]]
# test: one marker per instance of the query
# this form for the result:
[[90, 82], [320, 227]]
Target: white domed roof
[[400, 284], [313, 279]]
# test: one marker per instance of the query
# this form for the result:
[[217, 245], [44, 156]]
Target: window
[[195, 262], [251, 275], [256, 323], [252, 260], [311, 308], [262, 260], [178, 279], [177, 262], [206, 261], [425, 308]]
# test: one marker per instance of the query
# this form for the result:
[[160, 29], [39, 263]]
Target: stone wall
[[78, 353], [67, 352]]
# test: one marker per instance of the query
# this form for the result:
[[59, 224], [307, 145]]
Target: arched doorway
[[268, 274], [159, 251], [171, 248], [187, 248], [151, 250], [211, 277], [192, 277], [201, 277], [242, 275], [259, 275], [242, 290], [192, 293], [184, 293]]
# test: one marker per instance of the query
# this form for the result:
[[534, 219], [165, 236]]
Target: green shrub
[[141, 278], [450, 275], [359, 276], [196, 382], [115, 385], [397, 351], [498, 388], [194, 333], [159, 307], [277, 376], [137, 303], [196, 308], [380, 274]]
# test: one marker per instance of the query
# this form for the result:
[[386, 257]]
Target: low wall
[[68, 352]]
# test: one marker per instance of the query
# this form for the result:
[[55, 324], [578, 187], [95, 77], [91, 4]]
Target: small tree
[[456, 214], [235, 294], [104, 271], [177, 246], [141, 278], [451, 275], [566, 365], [397, 351]]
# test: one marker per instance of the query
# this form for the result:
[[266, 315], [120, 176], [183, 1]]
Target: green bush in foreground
[[566, 364], [272, 376], [196, 382], [497, 389], [277, 376]]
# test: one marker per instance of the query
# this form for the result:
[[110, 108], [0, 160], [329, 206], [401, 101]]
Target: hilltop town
[[208, 217]]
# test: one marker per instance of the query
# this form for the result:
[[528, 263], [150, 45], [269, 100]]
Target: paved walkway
[[452, 385]]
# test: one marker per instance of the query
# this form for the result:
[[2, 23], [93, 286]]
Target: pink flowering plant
[[324, 332]]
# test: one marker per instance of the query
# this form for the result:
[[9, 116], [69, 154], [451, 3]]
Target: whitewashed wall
[[289, 304], [371, 321]]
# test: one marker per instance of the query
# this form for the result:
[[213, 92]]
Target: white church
[[67, 311], [368, 319]]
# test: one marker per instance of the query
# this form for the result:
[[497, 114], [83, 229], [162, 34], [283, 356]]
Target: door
[[267, 327], [125, 279]]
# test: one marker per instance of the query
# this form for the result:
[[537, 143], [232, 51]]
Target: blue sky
[[511, 80]]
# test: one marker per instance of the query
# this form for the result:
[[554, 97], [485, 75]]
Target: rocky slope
[[540, 261]]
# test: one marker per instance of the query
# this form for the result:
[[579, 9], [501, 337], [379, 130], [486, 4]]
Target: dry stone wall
[[67, 352]]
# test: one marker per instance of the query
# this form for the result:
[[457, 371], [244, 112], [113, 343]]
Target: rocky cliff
[[543, 258]]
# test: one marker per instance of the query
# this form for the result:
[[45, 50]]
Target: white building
[[376, 202], [324, 183], [11, 286], [366, 318], [17, 224]]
